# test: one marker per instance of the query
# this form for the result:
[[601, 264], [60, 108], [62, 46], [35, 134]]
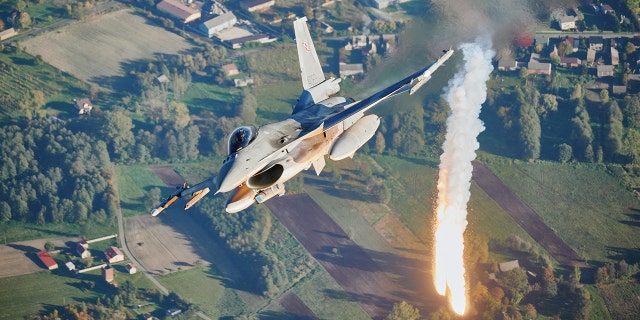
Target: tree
[[549, 283], [631, 146], [49, 246], [604, 95], [581, 132], [117, 129], [530, 132], [565, 153], [632, 111], [403, 311], [614, 131], [380, 142], [5, 211], [177, 115], [515, 282]]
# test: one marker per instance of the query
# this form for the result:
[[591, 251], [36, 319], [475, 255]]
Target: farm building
[[6, 34], [239, 83], [508, 266], [230, 69], [45, 257], [219, 23], [537, 67], [113, 254], [179, 10], [70, 266], [239, 42], [131, 268], [107, 274], [83, 249], [604, 70], [351, 69], [257, 5], [83, 106]]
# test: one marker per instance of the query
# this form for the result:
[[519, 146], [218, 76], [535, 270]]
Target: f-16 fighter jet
[[261, 159]]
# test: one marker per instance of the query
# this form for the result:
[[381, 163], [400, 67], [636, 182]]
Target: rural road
[[125, 248]]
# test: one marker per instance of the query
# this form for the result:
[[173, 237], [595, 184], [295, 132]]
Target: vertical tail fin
[[309, 63]]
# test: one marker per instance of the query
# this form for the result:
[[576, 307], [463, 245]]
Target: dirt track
[[345, 261], [525, 216]]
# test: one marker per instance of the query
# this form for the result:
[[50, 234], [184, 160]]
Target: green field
[[326, 298], [203, 96], [207, 288], [134, 183], [34, 293], [587, 207]]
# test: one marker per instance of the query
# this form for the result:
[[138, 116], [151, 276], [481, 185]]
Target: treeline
[[117, 304], [49, 173]]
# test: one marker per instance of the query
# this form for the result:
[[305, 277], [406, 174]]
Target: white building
[[219, 23]]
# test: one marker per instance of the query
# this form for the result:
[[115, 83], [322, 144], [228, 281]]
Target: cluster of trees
[[247, 237], [546, 118], [611, 272], [52, 174]]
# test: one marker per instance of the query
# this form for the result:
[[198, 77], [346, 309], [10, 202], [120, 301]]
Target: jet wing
[[309, 63], [411, 83], [196, 193]]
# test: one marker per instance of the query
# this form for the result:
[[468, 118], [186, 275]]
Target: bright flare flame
[[465, 94]]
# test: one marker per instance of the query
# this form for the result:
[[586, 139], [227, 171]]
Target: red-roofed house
[[107, 274], [113, 255], [45, 257]]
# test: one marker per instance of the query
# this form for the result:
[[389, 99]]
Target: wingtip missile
[[426, 76]]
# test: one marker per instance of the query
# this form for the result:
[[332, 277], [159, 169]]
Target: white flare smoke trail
[[465, 94]]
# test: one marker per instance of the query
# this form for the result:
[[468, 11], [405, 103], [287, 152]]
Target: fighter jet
[[261, 159]]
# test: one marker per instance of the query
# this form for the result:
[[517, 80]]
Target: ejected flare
[[465, 94]]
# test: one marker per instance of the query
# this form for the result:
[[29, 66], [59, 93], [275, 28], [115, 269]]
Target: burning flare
[[465, 94]]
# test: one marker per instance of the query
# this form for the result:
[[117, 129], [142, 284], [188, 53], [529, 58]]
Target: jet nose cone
[[225, 181]]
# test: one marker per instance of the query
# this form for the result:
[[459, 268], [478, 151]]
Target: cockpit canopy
[[241, 138]]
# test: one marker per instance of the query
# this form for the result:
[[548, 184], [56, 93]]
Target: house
[[82, 248], [591, 56], [351, 69], [70, 266], [239, 83], [615, 57], [83, 106], [570, 62], [131, 268], [537, 67], [108, 274], [257, 5], [217, 24], [566, 22], [596, 43], [507, 64], [604, 70], [45, 257], [179, 10], [230, 69], [6, 34], [508, 266], [113, 255], [619, 90]]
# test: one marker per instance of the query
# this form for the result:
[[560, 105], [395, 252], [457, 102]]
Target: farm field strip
[[97, 49]]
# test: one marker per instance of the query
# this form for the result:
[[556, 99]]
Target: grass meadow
[[134, 183], [207, 288], [586, 206]]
